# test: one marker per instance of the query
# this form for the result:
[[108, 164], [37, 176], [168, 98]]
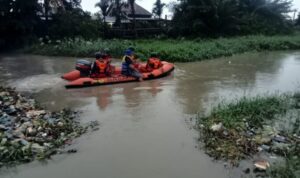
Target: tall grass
[[255, 111], [179, 50]]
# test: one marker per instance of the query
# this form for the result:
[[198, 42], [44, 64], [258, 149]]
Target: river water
[[146, 128]]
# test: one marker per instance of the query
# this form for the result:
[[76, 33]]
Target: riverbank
[[243, 128], [180, 50], [28, 132]]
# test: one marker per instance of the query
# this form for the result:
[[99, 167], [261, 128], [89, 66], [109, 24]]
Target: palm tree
[[105, 6], [117, 11], [158, 8]]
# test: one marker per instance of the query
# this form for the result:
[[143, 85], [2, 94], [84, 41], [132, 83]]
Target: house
[[145, 24], [141, 15]]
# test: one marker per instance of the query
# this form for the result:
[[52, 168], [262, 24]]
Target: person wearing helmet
[[128, 65], [101, 67]]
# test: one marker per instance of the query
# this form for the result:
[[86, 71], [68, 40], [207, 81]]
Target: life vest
[[153, 63], [102, 66], [126, 70]]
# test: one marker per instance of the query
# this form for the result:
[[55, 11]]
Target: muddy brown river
[[146, 128]]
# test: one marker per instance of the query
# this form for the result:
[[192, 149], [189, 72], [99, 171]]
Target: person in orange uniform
[[101, 67], [152, 63]]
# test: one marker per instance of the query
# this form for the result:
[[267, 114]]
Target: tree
[[105, 6], [158, 8], [298, 20], [117, 11], [18, 22], [206, 17], [74, 23], [231, 17], [132, 8]]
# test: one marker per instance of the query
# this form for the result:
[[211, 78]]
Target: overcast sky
[[89, 5]]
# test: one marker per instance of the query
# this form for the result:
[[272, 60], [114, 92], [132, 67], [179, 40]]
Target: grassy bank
[[172, 50], [238, 130]]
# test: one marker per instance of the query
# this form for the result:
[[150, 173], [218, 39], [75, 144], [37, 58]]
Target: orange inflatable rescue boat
[[80, 77]]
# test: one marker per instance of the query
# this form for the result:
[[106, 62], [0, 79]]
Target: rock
[[280, 139], [31, 131], [60, 124], [262, 165], [34, 113], [23, 142], [216, 127], [264, 148], [44, 134], [3, 128]]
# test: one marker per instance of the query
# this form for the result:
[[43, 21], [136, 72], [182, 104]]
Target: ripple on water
[[37, 83]]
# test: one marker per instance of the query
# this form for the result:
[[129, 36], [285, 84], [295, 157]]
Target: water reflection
[[133, 93]]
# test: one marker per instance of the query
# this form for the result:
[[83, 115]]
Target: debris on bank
[[240, 130], [28, 132]]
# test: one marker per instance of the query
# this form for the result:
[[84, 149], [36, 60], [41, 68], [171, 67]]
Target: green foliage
[[74, 23], [172, 50], [18, 21], [231, 17]]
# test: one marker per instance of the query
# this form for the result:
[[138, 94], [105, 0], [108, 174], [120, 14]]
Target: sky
[[89, 5]]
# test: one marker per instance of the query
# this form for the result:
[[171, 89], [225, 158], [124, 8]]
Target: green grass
[[179, 50], [253, 110]]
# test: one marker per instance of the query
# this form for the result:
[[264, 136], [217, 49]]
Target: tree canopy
[[231, 17], [22, 21]]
